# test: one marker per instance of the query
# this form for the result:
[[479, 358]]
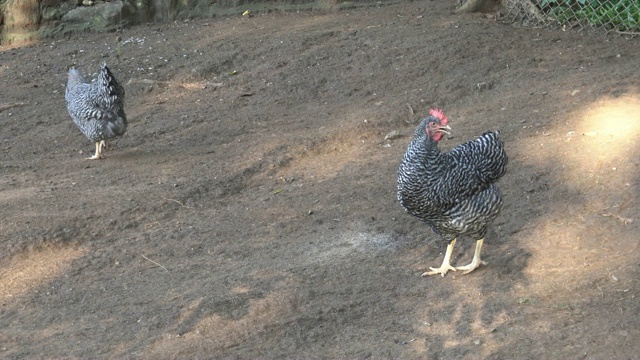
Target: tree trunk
[[20, 19]]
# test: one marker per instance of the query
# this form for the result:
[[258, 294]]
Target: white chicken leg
[[98, 154], [446, 263], [476, 262]]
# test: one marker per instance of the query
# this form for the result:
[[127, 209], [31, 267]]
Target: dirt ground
[[250, 210]]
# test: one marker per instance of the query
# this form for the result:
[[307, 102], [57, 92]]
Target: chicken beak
[[445, 129]]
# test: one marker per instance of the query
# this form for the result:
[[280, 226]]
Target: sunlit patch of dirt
[[29, 271], [607, 142], [219, 332], [596, 161]]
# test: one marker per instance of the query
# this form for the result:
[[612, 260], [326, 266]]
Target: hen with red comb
[[453, 192]]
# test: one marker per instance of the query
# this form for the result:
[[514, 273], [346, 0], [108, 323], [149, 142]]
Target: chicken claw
[[98, 154], [446, 263], [476, 262]]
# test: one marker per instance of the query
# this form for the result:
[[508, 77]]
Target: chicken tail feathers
[[486, 155], [491, 158], [110, 85]]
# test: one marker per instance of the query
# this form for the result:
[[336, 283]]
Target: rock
[[163, 10], [102, 15], [392, 135]]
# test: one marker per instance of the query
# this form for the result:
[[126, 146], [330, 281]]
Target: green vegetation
[[621, 15]]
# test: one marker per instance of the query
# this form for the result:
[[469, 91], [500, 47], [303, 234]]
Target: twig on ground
[[622, 219], [9, 106], [411, 112], [151, 224], [634, 33], [165, 269], [193, 85], [181, 204]]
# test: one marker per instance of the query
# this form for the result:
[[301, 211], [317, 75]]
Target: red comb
[[440, 115]]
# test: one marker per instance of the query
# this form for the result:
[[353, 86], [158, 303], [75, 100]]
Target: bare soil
[[250, 210]]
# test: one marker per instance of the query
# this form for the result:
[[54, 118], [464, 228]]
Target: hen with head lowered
[[97, 107]]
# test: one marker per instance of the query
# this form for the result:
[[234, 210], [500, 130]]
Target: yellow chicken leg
[[98, 154], [446, 263], [476, 262]]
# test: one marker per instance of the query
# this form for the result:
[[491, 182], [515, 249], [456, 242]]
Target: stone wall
[[26, 19]]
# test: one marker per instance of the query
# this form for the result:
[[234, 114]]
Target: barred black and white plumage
[[97, 107], [453, 192]]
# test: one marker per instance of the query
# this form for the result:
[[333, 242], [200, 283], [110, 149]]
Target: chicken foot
[[476, 262], [446, 263], [98, 154]]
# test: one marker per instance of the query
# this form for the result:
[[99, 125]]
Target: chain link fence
[[619, 16]]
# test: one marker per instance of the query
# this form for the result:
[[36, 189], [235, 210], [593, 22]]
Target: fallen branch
[[193, 85], [411, 112], [9, 106], [181, 204], [165, 269]]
